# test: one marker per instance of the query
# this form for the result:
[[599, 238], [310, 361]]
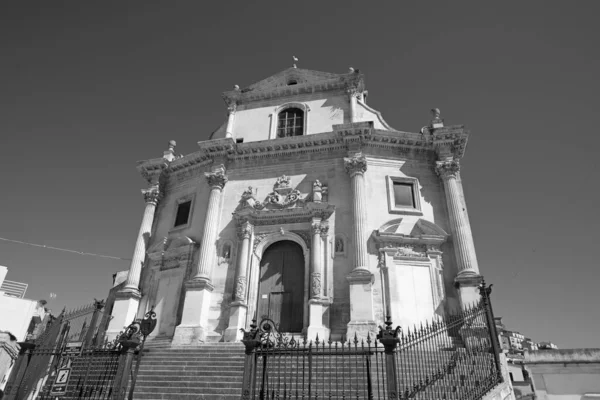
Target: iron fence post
[[251, 341], [16, 376], [489, 314], [89, 337], [124, 371], [388, 337]]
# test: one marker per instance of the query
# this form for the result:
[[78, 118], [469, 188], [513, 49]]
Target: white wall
[[16, 314]]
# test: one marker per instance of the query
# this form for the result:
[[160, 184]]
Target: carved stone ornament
[[315, 284], [216, 180], [240, 288], [410, 250], [315, 228], [151, 195], [232, 107], [324, 230], [283, 196], [447, 169], [245, 230], [355, 165]]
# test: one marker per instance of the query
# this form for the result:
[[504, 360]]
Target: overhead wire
[[83, 253]]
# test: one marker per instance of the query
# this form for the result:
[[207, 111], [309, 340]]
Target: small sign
[[265, 296], [59, 388]]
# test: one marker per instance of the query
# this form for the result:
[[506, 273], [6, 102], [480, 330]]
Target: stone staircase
[[211, 371]]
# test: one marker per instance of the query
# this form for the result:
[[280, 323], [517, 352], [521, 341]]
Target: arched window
[[290, 122]]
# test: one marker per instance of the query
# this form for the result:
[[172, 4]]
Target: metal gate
[[90, 370]]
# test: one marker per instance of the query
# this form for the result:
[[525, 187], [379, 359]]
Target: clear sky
[[89, 88]]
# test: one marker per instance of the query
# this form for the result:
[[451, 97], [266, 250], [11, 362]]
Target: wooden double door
[[281, 288]]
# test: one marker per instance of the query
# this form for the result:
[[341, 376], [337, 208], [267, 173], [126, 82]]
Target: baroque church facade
[[305, 207]]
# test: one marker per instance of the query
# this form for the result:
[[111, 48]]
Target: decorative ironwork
[[446, 358]]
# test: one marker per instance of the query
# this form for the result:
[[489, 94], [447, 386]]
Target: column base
[[467, 283], [361, 329], [317, 321], [237, 321], [362, 321], [124, 312], [192, 330]]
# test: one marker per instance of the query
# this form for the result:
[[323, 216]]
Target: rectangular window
[[183, 213], [403, 195]]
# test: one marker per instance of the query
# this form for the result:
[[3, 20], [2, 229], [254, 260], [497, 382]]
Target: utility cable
[[83, 253]]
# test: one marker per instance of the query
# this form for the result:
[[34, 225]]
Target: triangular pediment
[[294, 81], [292, 77]]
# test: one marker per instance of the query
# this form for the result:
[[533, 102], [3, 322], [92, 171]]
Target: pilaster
[[192, 329]]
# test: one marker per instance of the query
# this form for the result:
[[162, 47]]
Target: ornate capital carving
[[245, 230], [315, 228], [324, 231], [315, 284], [447, 169], [216, 180], [355, 165], [151, 195]]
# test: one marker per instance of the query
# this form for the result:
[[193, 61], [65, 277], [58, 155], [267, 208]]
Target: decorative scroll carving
[[151, 195], [240, 288], [217, 179], [447, 169], [245, 230], [355, 165], [410, 250], [324, 230], [283, 184], [315, 284]]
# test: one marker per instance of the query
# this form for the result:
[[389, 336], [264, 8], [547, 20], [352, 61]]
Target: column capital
[[231, 108], [324, 230], [244, 230], [151, 195], [447, 169], [216, 179], [355, 165]]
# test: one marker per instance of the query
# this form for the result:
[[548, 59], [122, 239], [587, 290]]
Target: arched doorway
[[281, 285]]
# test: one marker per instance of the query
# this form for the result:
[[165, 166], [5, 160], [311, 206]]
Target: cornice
[[351, 81], [447, 143], [286, 215]]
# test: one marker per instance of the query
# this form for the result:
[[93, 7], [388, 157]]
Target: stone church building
[[305, 207]]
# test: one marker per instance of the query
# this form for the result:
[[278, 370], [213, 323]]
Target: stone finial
[[169, 155], [236, 87], [350, 69], [295, 61], [436, 122]]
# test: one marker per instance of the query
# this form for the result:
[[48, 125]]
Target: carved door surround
[[285, 214], [421, 248]]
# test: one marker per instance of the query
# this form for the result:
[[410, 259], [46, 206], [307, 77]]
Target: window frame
[[183, 199], [392, 207], [275, 118]]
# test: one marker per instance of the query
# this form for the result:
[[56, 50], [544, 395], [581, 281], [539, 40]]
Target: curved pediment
[[171, 252], [407, 230]]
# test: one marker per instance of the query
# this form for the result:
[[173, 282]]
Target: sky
[[89, 88]]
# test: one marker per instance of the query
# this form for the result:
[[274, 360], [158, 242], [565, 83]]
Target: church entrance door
[[281, 288]]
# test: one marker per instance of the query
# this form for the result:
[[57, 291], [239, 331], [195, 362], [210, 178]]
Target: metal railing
[[448, 358]]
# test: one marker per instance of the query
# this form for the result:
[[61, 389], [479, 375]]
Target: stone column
[[468, 277], [361, 278], [230, 117], [127, 299], [192, 329], [239, 306], [352, 93], [317, 304]]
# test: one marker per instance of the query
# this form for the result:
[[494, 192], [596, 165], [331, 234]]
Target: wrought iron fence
[[96, 371], [449, 358]]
